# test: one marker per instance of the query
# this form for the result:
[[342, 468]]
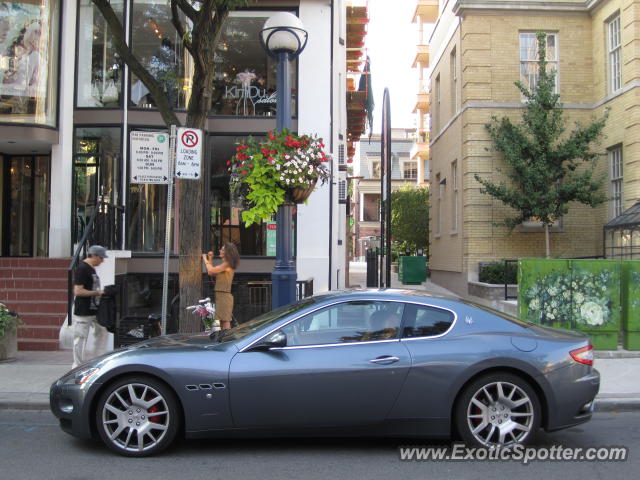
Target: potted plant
[[9, 322], [284, 168]]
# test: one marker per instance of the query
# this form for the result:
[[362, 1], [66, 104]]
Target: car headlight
[[82, 376]]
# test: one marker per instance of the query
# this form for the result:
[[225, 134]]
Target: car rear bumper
[[67, 403], [574, 396]]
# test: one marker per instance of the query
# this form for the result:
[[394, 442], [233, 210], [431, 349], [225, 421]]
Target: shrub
[[496, 272]]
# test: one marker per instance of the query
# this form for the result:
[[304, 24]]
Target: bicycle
[[207, 312]]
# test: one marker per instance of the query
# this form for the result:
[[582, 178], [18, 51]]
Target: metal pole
[[387, 116], [167, 233], [284, 275]]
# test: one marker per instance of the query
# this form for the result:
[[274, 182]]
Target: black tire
[[147, 425], [498, 409]]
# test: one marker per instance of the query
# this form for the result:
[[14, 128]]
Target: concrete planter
[[491, 291], [8, 345]]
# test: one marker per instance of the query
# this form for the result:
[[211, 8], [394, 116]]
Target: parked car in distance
[[357, 363]]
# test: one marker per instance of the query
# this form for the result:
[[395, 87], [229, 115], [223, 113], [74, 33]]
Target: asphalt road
[[33, 447]]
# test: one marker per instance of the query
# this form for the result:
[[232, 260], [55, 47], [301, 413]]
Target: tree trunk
[[192, 191], [547, 240]]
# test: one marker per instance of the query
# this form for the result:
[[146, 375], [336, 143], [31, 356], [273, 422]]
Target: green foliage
[[263, 172], [496, 273], [9, 321], [547, 168], [410, 219]]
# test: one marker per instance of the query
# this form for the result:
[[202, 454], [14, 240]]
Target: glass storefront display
[[25, 206], [100, 70], [161, 51], [96, 173], [29, 39], [225, 210], [245, 76]]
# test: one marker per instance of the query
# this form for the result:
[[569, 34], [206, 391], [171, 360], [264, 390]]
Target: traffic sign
[[149, 157], [188, 153]]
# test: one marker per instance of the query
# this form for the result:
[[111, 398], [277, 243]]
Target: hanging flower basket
[[284, 168]]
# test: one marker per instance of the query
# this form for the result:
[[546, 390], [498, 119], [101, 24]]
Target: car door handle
[[385, 360]]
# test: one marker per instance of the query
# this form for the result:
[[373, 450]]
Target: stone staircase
[[36, 288]]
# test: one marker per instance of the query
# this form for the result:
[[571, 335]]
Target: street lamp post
[[283, 38]]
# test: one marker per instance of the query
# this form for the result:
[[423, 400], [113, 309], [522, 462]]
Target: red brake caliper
[[155, 419]]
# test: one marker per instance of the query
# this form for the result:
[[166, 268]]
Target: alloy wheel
[[501, 413]]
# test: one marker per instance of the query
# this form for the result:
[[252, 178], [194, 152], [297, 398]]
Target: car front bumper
[[70, 404]]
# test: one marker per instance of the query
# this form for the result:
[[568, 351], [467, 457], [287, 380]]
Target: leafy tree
[[200, 34], [410, 218], [548, 169]]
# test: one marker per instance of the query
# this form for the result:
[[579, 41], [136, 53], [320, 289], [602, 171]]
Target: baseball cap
[[97, 250]]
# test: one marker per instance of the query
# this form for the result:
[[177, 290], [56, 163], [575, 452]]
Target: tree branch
[[155, 89], [188, 10], [175, 19]]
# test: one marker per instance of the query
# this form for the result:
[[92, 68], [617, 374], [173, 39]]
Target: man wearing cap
[[86, 288]]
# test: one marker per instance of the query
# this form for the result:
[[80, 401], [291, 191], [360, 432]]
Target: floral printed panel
[[545, 291], [595, 288], [631, 296]]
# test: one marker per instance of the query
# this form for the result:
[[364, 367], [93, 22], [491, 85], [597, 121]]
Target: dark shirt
[[86, 276]]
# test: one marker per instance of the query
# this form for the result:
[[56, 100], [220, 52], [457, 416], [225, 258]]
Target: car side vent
[[205, 386], [192, 388], [219, 385]]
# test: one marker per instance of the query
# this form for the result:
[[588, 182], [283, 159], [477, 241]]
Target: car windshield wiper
[[217, 335]]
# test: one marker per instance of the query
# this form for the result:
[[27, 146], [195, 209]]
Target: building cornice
[[461, 7]]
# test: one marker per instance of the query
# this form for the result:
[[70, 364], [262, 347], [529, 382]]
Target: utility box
[[412, 270]]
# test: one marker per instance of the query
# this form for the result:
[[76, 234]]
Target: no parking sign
[[188, 153]]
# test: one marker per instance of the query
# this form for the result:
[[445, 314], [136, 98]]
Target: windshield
[[247, 328]]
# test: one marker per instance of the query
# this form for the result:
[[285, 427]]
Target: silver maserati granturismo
[[357, 363]]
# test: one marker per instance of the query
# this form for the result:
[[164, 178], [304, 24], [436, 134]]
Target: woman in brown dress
[[224, 276]]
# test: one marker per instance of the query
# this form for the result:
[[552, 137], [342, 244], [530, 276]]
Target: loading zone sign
[[149, 157], [188, 153]]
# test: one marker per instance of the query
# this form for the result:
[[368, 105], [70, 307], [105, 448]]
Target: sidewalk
[[25, 381]]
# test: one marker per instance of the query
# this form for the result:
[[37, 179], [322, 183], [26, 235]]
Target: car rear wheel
[[137, 416], [498, 410]]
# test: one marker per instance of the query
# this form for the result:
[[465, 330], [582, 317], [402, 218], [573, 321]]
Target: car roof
[[381, 293]]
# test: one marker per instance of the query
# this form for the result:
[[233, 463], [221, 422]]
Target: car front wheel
[[498, 410], [137, 416]]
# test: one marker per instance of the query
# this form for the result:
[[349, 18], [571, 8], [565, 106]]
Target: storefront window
[[245, 76], [99, 66], [225, 211], [97, 177], [160, 50], [29, 37]]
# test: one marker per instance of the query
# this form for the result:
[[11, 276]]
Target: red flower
[[228, 162], [244, 172]]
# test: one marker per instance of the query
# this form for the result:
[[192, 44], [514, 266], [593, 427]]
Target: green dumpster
[[412, 270]]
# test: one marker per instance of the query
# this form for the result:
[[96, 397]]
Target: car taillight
[[583, 355]]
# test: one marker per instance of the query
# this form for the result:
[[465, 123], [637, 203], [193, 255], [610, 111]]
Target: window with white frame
[[529, 58], [409, 170], [613, 47], [454, 82], [436, 117], [616, 175], [375, 169], [440, 187], [454, 196]]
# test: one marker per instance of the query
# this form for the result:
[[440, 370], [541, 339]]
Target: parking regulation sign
[[188, 153], [149, 157]]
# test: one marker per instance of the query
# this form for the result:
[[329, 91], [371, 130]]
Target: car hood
[[178, 340]]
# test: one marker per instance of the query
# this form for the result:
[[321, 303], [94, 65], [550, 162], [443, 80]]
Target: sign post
[[167, 232]]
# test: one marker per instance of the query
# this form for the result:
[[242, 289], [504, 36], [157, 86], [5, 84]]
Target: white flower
[[592, 313], [535, 304]]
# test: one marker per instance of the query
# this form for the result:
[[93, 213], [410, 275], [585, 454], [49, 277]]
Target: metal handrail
[[82, 245]]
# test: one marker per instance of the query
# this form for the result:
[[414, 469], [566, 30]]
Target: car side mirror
[[275, 340]]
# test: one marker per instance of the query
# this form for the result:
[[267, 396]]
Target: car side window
[[422, 321], [349, 322]]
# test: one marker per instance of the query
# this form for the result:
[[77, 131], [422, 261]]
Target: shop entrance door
[[24, 202]]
